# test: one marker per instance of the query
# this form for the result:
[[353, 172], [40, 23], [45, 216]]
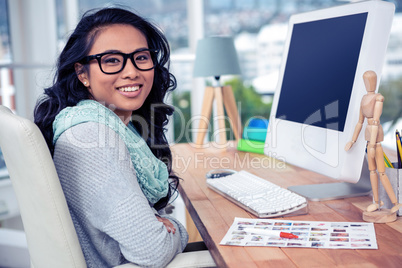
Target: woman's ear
[[81, 74]]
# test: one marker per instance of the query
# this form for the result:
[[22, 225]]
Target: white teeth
[[129, 89]]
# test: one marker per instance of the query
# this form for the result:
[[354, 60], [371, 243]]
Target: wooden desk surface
[[213, 214]]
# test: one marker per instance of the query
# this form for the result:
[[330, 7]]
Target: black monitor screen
[[320, 71]]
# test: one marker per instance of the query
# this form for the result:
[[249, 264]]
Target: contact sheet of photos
[[311, 234]]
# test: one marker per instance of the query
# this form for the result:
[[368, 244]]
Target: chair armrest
[[194, 259], [127, 265]]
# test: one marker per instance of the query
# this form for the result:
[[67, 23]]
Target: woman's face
[[127, 90]]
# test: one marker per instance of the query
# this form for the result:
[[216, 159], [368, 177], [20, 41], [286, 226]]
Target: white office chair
[[52, 240]]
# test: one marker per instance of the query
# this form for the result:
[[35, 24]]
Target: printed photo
[[233, 243], [257, 238], [239, 232], [245, 223], [264, 223], [318, 234], [293, 244], [283, 223], [281, 228], [337, 245], [238, 237], [360, 245], [317, 239], [359, 240], [357, 225], [277, 244], [255, 244], [340, 234], [340, 230], [339, 225], [300, 234], [317, 244], [339, 239], [301, 224], [319, 229], [300, 228]]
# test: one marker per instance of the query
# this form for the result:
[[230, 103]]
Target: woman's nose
[[130, 70]]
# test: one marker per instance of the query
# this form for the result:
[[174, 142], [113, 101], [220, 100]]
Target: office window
[[259, 28], [6, 75], [5, 52]]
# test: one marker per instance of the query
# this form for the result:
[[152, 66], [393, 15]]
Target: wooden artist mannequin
[[371, 108]]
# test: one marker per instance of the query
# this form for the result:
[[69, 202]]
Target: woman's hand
[[169, 226]]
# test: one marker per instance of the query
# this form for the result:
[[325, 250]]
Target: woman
[[103, 120]]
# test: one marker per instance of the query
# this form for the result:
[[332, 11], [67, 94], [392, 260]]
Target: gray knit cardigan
[[114, 221]]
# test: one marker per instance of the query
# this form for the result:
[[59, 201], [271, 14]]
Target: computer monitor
[[317, 101]]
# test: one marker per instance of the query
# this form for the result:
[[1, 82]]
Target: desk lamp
[[216, 56]]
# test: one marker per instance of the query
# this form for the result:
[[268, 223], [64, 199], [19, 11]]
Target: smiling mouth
[[129, 89]]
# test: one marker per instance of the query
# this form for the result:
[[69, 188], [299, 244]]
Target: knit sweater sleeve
[[102, 192]]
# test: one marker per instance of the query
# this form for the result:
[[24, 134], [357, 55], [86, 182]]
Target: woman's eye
[[111, 60], [142, 57]]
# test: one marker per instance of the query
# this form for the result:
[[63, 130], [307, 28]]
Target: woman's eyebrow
[[111, 51], [119, 51]]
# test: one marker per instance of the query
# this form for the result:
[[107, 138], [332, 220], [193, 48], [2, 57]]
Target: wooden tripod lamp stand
[[216, 56]]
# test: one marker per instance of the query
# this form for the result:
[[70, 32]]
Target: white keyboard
[[262, 198]]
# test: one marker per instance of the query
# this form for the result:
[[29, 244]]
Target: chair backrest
[[52, 239]]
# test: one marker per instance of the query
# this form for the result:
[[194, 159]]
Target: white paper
[[312, 234]]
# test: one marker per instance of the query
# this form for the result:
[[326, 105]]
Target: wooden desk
[[213, 214]]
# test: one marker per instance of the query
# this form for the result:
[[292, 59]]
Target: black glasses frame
[[130, 56]]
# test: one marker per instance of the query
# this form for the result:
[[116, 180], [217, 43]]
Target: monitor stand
[[338, 190]]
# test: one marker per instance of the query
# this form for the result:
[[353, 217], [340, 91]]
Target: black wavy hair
[[150, 120]]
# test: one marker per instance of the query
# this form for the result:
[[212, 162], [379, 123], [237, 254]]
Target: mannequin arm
[[376, 122], [379, 103], [356, 133]]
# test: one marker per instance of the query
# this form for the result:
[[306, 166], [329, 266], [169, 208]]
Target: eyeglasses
[[114, 62]]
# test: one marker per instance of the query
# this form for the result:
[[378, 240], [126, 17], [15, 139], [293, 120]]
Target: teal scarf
[[152, 174]]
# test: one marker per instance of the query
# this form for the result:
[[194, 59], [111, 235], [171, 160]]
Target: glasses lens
[[112, 63], [143, 60]]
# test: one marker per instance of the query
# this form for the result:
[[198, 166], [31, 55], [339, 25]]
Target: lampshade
[[216, 56]]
